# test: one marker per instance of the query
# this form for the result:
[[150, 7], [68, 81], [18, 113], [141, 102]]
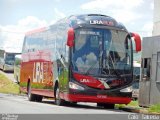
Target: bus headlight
[[128, 89], [75, 86]]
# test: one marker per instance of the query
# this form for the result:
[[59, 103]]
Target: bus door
[[62, 74]]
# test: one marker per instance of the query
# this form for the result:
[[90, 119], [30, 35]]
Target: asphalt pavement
[[16, 104]]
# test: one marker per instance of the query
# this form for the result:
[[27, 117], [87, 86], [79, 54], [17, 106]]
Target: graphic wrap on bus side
[[42, 74]]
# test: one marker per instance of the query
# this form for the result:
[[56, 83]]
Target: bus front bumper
[[8, 68], [96, 99]]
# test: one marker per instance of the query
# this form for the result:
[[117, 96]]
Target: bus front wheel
[[4, 70], [106, 105]]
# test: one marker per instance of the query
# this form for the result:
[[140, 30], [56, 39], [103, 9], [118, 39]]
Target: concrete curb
[[130, 109]]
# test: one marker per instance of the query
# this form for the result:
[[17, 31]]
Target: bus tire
[[58, 100], [109, 106], [4, 68], [106, 105], [39, 98], [99, 104], [17, 79], [72, 103], [31, 97]]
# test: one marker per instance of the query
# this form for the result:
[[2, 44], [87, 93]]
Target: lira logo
[[38, 72], [84, 80], [99, 22]]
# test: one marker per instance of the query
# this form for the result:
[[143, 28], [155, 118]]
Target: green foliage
[[134, 105], [7, 86], [155, 108], [131, 104]]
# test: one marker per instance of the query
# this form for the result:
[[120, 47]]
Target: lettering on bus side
[[38, 72]]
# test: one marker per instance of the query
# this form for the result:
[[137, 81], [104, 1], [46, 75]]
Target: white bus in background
[[7, 59], [17, 66]]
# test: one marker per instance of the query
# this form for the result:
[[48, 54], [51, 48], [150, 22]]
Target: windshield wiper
[[111, 65]]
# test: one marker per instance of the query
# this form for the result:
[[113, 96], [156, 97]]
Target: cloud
[[136, 15], [57, 16], [31, 22], [11, 36], [147, 28], [123, 10], [103, 4], [125, 16], [152, 6], [58, 0], [59, 13]]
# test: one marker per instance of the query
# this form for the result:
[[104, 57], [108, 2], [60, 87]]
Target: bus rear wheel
[[106, 105], [31, 97], [39, 98], [58, 100]]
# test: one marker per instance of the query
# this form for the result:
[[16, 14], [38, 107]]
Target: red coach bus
[[83, 58]]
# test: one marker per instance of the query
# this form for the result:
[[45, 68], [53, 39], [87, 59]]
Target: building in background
[[149, 90], [156, 18]]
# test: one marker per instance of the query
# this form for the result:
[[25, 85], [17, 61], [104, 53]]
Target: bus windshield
[[9, 59], [101, 51]]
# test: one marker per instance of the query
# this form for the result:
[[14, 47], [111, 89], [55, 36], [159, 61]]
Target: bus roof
[[84, 20], [36, 30], [91, 19], [94, 19]]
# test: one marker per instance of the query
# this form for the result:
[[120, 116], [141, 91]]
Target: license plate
[[101, 96]]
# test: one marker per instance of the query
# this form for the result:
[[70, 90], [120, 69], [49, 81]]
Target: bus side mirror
[[137, 40], [70, 39]]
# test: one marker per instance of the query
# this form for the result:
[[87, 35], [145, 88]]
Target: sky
[[20, 16]]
